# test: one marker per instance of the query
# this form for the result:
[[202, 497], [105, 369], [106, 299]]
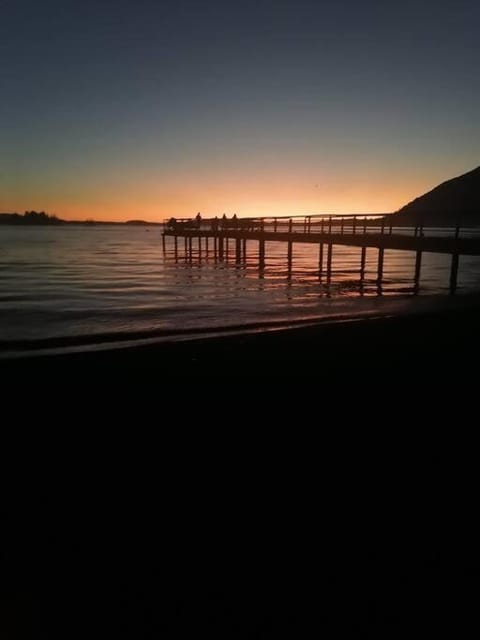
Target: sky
[[143, 109]]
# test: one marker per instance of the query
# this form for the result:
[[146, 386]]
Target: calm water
[[71, 281]]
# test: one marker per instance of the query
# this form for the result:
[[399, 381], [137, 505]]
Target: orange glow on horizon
[[268, 194]]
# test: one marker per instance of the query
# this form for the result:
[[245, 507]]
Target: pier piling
[[321, 230]]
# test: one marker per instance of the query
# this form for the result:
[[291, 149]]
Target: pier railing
[[310, 224]]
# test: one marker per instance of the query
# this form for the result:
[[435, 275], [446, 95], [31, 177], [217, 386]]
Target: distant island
[[41, 218], [456, 201]]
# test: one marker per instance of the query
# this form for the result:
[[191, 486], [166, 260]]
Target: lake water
[[99, 282]]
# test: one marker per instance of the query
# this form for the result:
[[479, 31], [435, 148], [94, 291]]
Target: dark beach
[[187, 508]]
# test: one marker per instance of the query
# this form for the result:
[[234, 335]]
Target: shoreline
[[397, 306], [435, 342]]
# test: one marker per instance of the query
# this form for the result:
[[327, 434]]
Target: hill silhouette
[[456, 201]]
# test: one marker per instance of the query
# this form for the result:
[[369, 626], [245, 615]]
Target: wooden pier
[[365, 231]]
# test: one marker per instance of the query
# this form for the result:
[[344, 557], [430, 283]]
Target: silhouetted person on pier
[[198, 219], [224, 221], [234, 221], [215, 224]]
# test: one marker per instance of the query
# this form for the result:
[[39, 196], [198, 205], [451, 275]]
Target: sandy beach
[[183, 505]]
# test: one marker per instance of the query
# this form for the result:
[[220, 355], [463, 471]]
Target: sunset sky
[[120, 109]]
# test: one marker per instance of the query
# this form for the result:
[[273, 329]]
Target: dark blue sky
[[113, 108]]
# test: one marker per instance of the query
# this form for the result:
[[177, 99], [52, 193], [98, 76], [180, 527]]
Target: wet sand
[[436, 344]]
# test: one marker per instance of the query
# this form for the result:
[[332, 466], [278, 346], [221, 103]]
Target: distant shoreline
[[83, 223]]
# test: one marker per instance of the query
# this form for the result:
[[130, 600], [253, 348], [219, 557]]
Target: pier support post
[[185, 243], [226, 249], [362, 264], [418, 265], [329, 263], [206, 245], [289, 250], [244, 250], [199, 247], [175, 247], [238, 250], [220, 248], [381, 252], [261, 254], [454, 267], [320, 261], [454, 274], [163, 243]]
